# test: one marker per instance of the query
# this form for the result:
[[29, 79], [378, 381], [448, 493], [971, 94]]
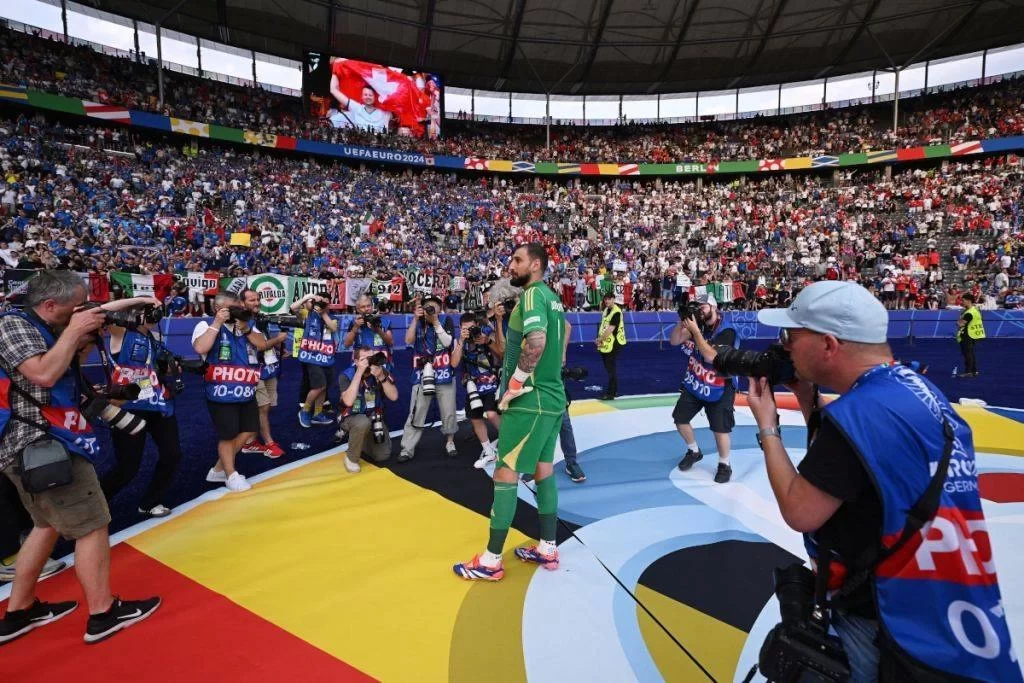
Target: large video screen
[[384, 99]]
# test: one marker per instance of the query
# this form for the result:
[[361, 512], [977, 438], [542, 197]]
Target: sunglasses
[[787, 337]]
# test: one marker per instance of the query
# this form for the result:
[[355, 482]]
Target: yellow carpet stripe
[[993, 433]]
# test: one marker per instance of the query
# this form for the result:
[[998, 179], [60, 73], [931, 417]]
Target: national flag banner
[[458, 284], [524, 167], [881, 155], [475, 163], [354, 288], [629, 169], [910, 154], [13, 92], [258, 138], [285, 142], [190, 127], [770, 165], [568, 168], [500, 165], [824, 161], [970, 147], [99, 287], [796, 163], [301, 286], [232, 285], [337, 295], [158, 286], [107, 112], [396, 92], [428, 159], [201, 284]]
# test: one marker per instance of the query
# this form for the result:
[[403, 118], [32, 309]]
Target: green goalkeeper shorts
[[526, 439]]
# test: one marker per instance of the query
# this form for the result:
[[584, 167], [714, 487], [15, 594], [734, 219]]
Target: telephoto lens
[[427, 380], [379, 432], [473, 396]]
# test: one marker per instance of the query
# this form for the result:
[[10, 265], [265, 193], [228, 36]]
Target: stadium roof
[[602, 46]]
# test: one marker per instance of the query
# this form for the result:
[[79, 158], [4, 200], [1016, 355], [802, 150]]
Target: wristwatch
[[768, 431]]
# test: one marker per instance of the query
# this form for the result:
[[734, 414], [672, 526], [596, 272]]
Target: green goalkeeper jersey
[[539, 308]]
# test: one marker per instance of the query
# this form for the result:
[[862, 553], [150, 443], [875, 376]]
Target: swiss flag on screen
[[396, 92]]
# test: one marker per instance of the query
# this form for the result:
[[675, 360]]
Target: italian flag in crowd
[[158, 286]]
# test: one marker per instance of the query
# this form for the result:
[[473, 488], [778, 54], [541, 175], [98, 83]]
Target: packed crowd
[[76, 197], [965, 114]]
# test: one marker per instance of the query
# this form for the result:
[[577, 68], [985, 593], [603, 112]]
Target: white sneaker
[[486, 458], [352, 467], [156, 511], [237, 482], [216, 476]]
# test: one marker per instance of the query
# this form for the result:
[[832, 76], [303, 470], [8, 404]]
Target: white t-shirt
[[360, 116], [203, 326]]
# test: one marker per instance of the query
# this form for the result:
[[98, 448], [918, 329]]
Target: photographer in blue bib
[[230, 347], [364, 385], [141, 359], [270, 372], [368, 330], [887, 500], [479, 356], [316, 354], [432, 339], [47, 449], [701, 327]]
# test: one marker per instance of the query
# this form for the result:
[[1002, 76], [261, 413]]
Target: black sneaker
[[689, 459], [723, 474], [575, 472], [122, 614], [17, 623], [404, 456]]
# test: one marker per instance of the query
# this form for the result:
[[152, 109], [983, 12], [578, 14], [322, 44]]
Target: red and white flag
[[397, 93], [107, 112]]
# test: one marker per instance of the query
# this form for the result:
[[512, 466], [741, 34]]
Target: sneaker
[[17, 623], [533, 554], [273, 451], [450, 450], [689, 459], [305, 419], [723, 474], [237, 482], [320, 420], [121, 615], [156, 511], [404, 456], [215, 476], [486, 458], [575, 472], [351, 466], [49, 569], [475, 571], [253, 447]]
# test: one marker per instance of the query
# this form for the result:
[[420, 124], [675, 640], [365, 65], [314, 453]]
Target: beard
[[519, 280]]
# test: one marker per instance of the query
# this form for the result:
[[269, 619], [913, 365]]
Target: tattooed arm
[[533, 348]]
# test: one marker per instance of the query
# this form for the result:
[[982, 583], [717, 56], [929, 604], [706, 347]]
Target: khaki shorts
[[74, 510], [266, 392]]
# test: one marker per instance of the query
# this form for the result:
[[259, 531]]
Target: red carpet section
[[196, 635]]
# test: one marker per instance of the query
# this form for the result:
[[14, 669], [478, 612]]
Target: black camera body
[[430, 309], [799, 649], [379, 358], [133, 318], [577, 374], [286, 321], [372, 320], [239, 314], [508, 304], [319, 306], [475, 331], [775, 363], [691, 309]]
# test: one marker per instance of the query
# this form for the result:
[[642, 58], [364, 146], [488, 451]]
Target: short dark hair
[[607, 295], [536, 250], [969, 297]]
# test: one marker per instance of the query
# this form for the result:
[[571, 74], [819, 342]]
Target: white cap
[[843, 309]]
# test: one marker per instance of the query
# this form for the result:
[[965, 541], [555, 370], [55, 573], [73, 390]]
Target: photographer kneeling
[[140, 359], [47, 449], [362, 385], [888, 492], [704, 387]]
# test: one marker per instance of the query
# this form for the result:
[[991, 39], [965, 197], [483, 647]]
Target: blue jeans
[[567, 439], [859, 636]]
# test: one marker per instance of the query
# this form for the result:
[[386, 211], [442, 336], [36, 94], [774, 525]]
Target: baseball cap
[[843, 309]]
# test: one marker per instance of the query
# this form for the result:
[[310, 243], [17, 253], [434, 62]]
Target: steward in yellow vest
[[610, 340], [970, 330]]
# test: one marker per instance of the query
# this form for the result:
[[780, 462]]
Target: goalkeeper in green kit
[[532, 404]]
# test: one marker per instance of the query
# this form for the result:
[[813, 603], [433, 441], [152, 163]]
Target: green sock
[[547, 507], [502, 512]]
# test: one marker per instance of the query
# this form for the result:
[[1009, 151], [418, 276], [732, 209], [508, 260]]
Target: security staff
[[137, 358], [611, 339], [362, 335], [480, 362], [929, 609], [363, 387], [970, 330], [432, 340], [704, 388], [316, 354]]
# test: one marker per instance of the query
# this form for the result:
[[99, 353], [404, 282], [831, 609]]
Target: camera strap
[[43, 427], [922, 512]]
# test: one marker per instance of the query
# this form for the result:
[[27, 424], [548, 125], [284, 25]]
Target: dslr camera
[[239, 314], [430, 309], [508, 304], [577, 374], [379, 358], [427, 381], [800, 648], [287, 321], [775, 363], [132, 318], [691, 309], [371, 320]]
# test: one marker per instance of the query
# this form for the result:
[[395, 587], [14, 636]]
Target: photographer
[[139, 358], [362, 385], [229, 346], [480, 363], [316, 354], [610, 341], [432, 340], [704, 387], [47, 449], [368, 330], [270, 371], [888, 492]]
